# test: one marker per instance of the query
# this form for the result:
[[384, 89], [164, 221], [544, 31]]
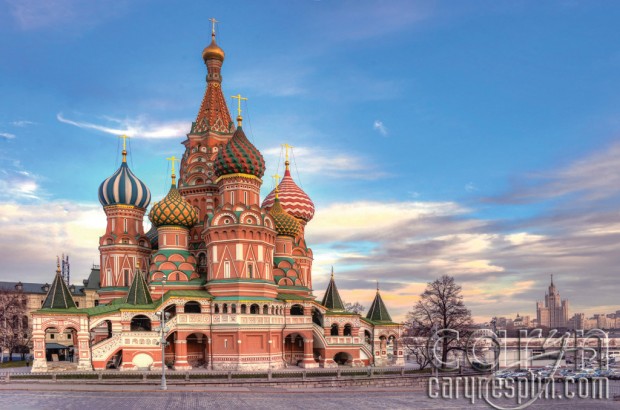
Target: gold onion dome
[[213, 51], [173, 210], [286, 224]]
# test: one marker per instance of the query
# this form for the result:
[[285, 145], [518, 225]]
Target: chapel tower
[[210, 132], [124, 245]]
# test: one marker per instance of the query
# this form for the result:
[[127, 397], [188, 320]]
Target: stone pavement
[[48, 397]]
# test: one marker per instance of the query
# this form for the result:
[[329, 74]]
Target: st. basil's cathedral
[[233, 276]]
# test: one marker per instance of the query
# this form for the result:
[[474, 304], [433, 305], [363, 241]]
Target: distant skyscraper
[[553, 313]]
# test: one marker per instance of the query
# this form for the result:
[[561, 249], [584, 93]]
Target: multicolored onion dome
[[173, 210], [124, 188], [293, 199], [239, 156], [153, 236], [212, 51], [286, 224]]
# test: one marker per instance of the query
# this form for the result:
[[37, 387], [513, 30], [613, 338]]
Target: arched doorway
[[170, 355], [334, 329], [294, 349], [317, 317], [192, 307], [101, 332], [297, 310], [140, 323], [343, 359], [347, 331], [198, 350]]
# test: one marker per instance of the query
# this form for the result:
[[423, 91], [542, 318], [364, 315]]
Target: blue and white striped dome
[[124, 188]]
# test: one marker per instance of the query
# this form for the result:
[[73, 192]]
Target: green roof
[[292, 296], [59, 296], [244, 298], [331, 299], [139, 292], [378, 312]]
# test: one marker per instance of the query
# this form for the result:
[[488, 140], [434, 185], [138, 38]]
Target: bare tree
[[440, 315], [417, 347], [355, 307], [14, 329]]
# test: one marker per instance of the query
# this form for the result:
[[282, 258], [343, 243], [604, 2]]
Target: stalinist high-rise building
[[553, 313]]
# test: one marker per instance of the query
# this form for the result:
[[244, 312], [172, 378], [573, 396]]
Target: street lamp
[[162, 329]]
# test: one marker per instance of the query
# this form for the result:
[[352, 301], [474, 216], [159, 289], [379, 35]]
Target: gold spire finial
[[286, 147], [172, 160], [276, 179], [57, 264], [213, 21], [377, 286], [239, 99], [332, 271], [124, 137]]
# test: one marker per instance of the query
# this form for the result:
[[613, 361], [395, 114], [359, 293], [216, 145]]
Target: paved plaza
[[20, 397]]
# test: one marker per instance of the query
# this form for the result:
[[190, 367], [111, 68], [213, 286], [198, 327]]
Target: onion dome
[[173, 210], [293, 199], [124, 188], [286, 224], [213, 51], [153, 236], [239, 156]]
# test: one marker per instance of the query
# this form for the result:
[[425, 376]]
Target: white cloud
[[18, 185], [378, 126], [7, 135], [137, 128]]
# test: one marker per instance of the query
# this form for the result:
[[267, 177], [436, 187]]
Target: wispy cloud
[[21, 123], [19, 185], [138, 127], [7, 135], [593, 178], [63, 226], [35, 14], [327, 163], [379, 126]]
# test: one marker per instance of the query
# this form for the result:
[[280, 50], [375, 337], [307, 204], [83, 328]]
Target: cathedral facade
[[231, 275]]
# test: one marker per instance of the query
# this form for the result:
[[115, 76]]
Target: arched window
[[254, 309], [347, 330], [297, 310], [225, 308], [265, 310], [243, 309], [192, 307], [217, 308], [334, 331], [233, 308]]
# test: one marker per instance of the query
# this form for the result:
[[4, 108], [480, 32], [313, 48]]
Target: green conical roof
[[378, 312], [139, 291], [331, 299], [59, 296]]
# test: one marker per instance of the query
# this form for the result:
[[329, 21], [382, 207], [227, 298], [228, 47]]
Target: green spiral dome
[[173, 210], [286, 224]]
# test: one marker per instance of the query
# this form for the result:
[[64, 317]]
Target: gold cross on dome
[[172, 160], [239, 98], [124, 137], [213, 21], [286, 149], [276, 178]]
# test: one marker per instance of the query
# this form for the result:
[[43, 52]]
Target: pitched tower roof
[[139, 291], [292, 198], [331, 299], [378, 312], [213, 114], [59, 296]]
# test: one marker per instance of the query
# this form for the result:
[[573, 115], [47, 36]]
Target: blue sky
[[477, 139]]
